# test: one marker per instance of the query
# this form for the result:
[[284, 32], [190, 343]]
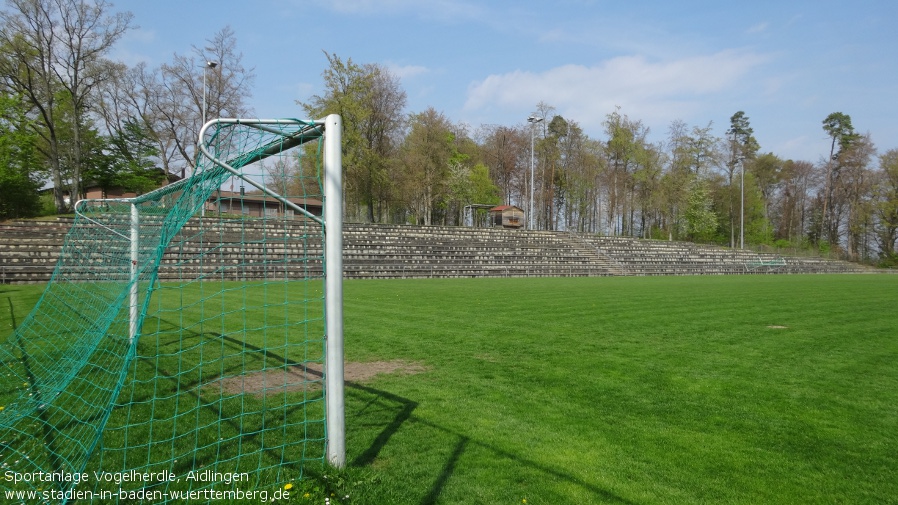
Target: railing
[[765, 265]]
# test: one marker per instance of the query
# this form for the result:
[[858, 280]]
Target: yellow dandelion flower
[[288, 486]]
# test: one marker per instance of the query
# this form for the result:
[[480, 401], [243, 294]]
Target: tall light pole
[[209, 65], [739, 157], [741, 160], [533, 120]]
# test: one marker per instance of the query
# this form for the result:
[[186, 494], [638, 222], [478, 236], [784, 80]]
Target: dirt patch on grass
[[777, 327], [309, 377]]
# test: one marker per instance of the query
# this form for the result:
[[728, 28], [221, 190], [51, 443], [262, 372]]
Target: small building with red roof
[[507, 216]]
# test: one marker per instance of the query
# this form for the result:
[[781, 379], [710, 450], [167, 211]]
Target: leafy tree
[[125, 160], [624, 150], [767, 173], [427, 156], [586, 164], [699, 217], [371, 102], [691, 154], [54, 53], [19, 162], [483, 189]]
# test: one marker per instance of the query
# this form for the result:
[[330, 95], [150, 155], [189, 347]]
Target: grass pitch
[[743, 389]]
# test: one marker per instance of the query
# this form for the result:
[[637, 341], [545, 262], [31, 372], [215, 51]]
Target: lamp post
[[741, 160], [739, 157], [533, 120], [209, 64]]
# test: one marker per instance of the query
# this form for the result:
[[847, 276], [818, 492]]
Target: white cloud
[[407, 71], [653, 91]]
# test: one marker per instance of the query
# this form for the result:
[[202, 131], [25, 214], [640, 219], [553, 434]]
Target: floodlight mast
[[741, 160], [533, 120], [209, 65]]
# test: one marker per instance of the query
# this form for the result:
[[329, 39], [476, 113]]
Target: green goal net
[[189, 344]]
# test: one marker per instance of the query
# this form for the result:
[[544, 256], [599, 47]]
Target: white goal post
[[331, 128]]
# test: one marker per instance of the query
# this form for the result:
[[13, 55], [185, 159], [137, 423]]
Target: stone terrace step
[[29, 252]]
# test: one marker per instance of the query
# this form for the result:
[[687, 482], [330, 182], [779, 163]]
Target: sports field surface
[[723, 389]]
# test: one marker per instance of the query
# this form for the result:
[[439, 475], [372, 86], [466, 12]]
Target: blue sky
[[787, 64]]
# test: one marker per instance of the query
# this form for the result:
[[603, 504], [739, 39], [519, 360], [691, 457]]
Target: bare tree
[[506, 152], [852, 188], [838, 127], [178, 111], [886, 206], [793, 208], [134, 96]]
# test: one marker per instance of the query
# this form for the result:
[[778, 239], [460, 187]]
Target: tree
[[743, 149], [624, 151], [700, 219], [794, 208], [483, 189], [125, 160], [427, 156], [506, 152], [767, 172], [886, 207], [54, 53], [647, 180], [371, 102], [691, 154], [676, 180], [19, 163], [838, 127], [127, 105], [852, 186], [177, 98]]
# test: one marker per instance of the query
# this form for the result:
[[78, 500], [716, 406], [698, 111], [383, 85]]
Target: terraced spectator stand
[[397, 251], [29, 251], [661, 257]]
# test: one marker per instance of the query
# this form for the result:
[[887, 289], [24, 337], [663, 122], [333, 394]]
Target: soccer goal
[[191, 339]]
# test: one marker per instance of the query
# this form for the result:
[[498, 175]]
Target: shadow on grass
[[248, 431], [401, 411], [404, 412]]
